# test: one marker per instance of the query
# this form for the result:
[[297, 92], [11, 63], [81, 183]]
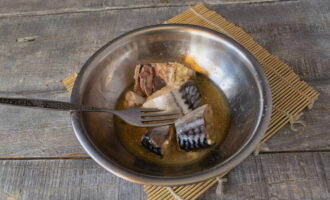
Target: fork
[[141, 117]]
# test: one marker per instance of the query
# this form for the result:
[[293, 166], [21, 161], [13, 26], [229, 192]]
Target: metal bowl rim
[[223, 167]]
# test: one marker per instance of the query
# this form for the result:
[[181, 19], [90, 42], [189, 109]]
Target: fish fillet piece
[[194, 129], [182, 100], [190, 94], [156, 140], [146, 80], [133, 99], [173, 73], [151, 77], [163, 100]]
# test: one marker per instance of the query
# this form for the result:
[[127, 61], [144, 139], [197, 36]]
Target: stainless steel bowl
[[110, 70]]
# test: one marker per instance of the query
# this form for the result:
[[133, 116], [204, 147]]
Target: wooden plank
[[325, 167], [278, 176], [64, 42], [293, 176], [295, 31], [315, 135], [38, 7], [299, 25], [62, 179]]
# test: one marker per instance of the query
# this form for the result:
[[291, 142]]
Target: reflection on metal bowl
[[230, 67]]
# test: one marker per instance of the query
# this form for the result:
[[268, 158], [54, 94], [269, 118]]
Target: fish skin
[[157, 139], [174, 100], [180, 100], [191, 129]]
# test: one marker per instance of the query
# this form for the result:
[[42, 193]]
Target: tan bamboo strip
[[193, 193], [154, 189], [69, 81], [185, 189], [157, 191], [160, 192], [150, 189], [196, 186], [214, 181], [182, 189], [162, 195]]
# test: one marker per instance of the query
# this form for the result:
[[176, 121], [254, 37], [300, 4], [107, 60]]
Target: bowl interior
[[110, 71]]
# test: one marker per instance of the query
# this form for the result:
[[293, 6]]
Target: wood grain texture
[[295, 176], [38, 7], [62, 179], [316, 134], [296, 31], [34, 69]]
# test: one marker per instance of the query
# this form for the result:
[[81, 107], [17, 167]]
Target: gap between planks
[[129, 7], [48, 158], [88, 158]]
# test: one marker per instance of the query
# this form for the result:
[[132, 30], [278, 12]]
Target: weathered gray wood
[[315, 136], [296, 176], [64, 42], [62, 179], [325, 167], [295, 31], [38, 7], [33, 69], [268, 176]]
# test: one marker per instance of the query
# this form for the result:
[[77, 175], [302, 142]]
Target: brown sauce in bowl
[[131, 136]]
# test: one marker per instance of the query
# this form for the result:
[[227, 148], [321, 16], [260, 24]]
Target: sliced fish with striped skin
[[195, 128], [190, 94], [157, 139], [182, 100]]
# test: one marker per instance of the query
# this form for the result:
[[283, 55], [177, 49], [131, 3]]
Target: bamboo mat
[[290, 94]]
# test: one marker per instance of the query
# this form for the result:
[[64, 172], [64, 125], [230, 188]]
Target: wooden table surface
[[40, 158]]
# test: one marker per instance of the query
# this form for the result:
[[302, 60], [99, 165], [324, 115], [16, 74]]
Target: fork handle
[[53, 105]]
